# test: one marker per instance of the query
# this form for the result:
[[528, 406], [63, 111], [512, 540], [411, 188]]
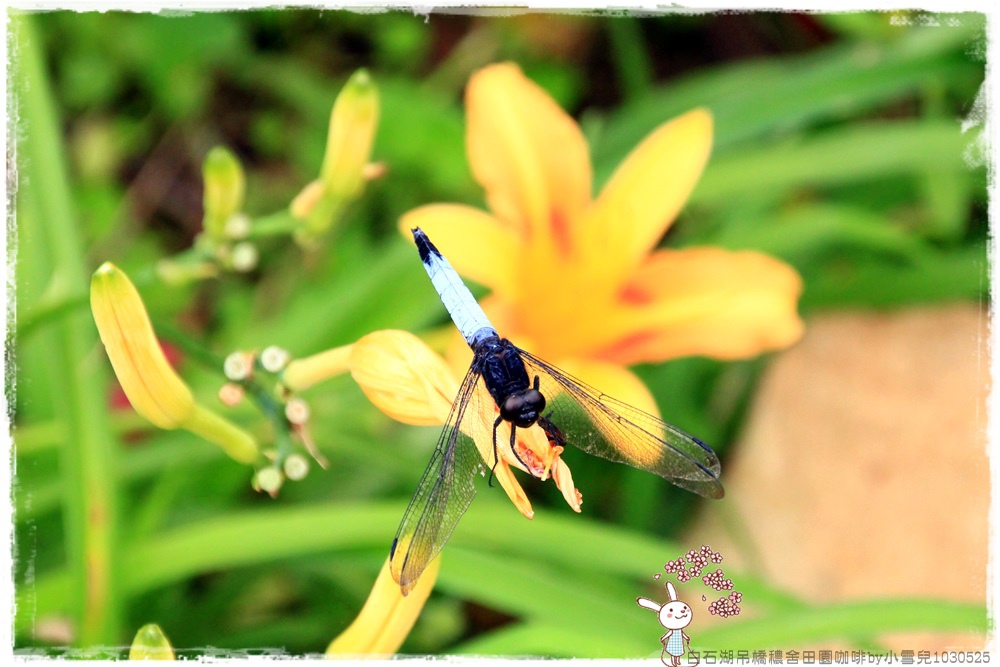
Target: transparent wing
[[444, 493], [606, 427]]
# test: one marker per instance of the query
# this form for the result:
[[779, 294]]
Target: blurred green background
[[838, 148]]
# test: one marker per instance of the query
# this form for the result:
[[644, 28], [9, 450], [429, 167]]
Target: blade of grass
[[844, 155], [88, 455], [526, 589], [241, 538], [806, 233], [845, 620], [632, 62], [752, 100], [961, 274]]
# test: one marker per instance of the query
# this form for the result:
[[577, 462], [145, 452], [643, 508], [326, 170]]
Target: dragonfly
[[516, 386]]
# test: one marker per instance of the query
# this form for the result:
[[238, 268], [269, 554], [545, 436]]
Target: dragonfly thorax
[[502, 368]]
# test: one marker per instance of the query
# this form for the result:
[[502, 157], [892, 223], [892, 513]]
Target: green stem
[[90, 511], [280, 223], [628, 47], [233, 440]]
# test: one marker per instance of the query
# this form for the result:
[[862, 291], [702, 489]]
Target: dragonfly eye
[[523, 408]]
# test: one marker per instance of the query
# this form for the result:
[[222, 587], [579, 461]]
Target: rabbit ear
[[671, 591], [648, 604]]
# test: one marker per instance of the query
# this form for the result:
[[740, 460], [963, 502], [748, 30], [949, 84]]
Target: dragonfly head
[[523, 408]]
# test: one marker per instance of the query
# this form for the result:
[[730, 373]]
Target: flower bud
[[151, 644], [297, 411], [296, 467], [387, 616], [244, 257], [153, 387], [225, 186], [352, 132], [307, 200], [238, 366], [238, 226], [270, 480], [231, 394], [274, 358], [403, 377]]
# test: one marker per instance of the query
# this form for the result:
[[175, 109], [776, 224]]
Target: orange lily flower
[[579, 281]]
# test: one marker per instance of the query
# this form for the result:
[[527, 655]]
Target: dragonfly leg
[[496, 454], [513, 430]]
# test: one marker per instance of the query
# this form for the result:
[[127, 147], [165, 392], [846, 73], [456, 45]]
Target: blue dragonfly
[[523, 386]]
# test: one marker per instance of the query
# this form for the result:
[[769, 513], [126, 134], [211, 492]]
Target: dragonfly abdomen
[[456, 297]]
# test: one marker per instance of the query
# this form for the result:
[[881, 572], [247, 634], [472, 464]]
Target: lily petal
[[528, 154], [564, 481], [478, 245], [646, 192], [708, 301], [513, 489]]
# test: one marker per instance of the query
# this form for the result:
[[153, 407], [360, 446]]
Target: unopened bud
[[238, 226], [296, 467], [151, 644], [353, 123], [238, 366], [270, 480], [274, 358], [297, 411], [225, 186], [153, 388], [244, 257], [231, 394]]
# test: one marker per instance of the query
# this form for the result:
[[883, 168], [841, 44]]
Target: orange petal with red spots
[[708, 301]]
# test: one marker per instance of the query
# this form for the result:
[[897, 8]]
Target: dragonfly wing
[[443, 495], [606, 427]]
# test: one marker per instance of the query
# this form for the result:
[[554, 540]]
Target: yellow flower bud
[[151, 644], [307, 200], [386, 618], [352, 132], [153, 387], [403, 377], [225, 186]]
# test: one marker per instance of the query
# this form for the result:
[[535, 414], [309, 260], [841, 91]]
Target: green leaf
[[52, 246], [752, 100]]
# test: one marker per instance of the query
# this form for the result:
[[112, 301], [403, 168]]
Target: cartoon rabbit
[[674, 616]]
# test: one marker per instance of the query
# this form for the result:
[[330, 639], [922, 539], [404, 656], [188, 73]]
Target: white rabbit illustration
[[674, 616]]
